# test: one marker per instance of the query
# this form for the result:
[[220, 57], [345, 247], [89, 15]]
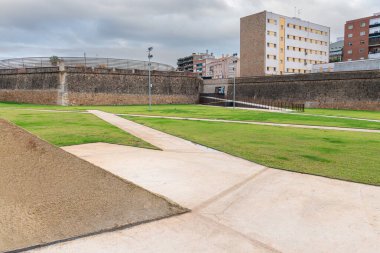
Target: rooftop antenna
[[299, 13]]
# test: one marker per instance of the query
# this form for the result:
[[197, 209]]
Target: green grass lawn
[[197, 111], [346, 113], [65, 129], [350, 156]]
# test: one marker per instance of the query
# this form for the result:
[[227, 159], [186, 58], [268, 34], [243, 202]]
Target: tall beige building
[[272, 44]]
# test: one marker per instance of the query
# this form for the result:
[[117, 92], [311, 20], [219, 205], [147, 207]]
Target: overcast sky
[[125, 28]]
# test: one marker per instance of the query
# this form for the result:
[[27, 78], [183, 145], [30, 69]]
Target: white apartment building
[[273, 44]]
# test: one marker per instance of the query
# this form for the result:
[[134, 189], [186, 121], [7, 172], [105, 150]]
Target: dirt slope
[[48, 195]]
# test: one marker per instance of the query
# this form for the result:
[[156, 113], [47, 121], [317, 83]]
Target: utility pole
[[234, 70], [150, 56]]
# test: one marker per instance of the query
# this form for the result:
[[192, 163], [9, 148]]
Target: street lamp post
[[150, 56], [234, 70]]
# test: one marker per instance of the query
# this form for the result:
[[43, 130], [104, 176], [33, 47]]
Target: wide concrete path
[[237, 206]]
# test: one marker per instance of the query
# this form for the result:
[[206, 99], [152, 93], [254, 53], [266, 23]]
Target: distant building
[[336, 51], [362, 38], [272, 44], [201, 63], [194, 63], [360, 65], [224, 67], [186, 63]]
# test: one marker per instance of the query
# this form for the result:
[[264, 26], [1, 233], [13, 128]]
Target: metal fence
[[220, 100], [91, 62]]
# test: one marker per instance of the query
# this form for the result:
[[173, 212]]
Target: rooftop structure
[[336, 51]]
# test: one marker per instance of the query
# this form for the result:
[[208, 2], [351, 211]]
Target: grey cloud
[[124, 28]]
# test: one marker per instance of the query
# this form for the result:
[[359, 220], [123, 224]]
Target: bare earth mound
[[48, 195]]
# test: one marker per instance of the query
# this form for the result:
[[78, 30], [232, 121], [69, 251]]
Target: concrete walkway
[[237, 206], [258, 123]]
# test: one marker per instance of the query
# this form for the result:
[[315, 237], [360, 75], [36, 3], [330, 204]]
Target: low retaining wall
[[343, 90], [87, 86]]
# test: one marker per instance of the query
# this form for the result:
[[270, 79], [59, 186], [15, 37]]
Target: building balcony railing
[[374, 25], [374, 42], [375, 34]]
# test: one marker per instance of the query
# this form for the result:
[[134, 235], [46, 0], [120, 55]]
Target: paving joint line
[[332, 128], [229, 190], [252, 240]]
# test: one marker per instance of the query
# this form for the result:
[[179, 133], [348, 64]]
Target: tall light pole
[[234, 69], [150, 56]]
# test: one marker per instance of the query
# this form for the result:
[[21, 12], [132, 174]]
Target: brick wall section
[[98, 86], [344, 90]]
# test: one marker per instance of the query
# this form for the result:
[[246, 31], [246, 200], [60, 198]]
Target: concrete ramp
[[48, 195]]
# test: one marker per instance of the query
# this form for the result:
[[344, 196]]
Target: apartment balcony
[[377, 24], [374, 42], [375, 34]]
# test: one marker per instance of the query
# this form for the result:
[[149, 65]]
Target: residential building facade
[[201, 62], [272, 44], [224, 67], [362, 38], [336, 51], [196, 62]]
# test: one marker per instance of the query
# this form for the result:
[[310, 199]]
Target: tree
[[54, 60]]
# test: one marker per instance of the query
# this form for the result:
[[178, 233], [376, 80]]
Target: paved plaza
[[237, 206]]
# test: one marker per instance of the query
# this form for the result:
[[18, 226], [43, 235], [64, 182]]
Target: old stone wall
[[87, 86], [37, 86], [343, 90]]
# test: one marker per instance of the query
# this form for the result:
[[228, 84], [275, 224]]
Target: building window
[[362, 42], [350, 27], [350, 43], [350, 35], [362, 33], [271, 45], [361, 50], [272, 21], [349, 52], [363, 24]]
